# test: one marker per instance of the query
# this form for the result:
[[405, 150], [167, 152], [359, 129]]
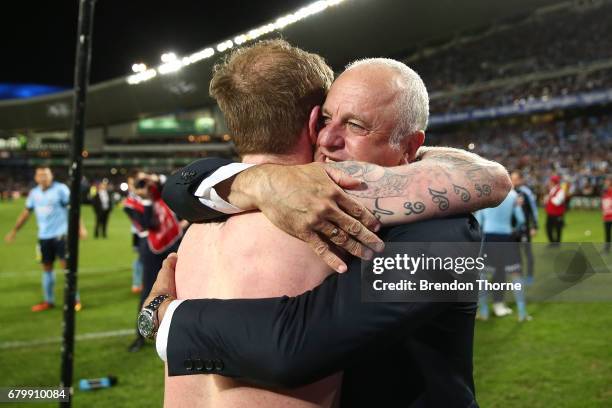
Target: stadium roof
[[352, 29]]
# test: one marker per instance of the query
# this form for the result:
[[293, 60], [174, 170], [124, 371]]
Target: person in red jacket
[[555, 210], [606, 210], [159, 229]]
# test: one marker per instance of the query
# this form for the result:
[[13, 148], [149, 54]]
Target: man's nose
[[331, 136]]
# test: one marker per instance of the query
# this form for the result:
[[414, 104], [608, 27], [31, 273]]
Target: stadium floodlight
[[170, 66], [168, 57], [172, 63], [240, 39], [278, 24], [200, 55], [123, 186], [139, 67], [253, 34], [141, 76], [225, 45]]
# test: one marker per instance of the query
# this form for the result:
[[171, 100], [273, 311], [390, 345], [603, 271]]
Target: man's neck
[[287, 159], [301, 153]]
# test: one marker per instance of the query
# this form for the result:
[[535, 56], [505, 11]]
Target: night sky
[[38, 38]]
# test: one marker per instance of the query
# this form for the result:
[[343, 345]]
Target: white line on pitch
[[53, 340]]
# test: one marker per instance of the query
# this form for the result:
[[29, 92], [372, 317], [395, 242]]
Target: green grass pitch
[[563, 358]]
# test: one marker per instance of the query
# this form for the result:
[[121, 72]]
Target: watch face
[[145, 325]]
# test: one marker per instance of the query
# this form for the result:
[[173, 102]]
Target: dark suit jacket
[[393, 353], [96, 203]]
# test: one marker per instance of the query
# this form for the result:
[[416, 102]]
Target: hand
[[533, 232], [164, 285], [82, 232], [308, 203], [10, 237]]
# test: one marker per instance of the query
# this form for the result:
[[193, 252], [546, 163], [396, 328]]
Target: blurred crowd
[[521, 93], [545, 42], [577, 149], [540, 43]]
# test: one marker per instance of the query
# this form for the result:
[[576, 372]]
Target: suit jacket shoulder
[[180, 186]]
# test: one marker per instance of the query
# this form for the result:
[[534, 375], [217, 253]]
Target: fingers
[[323, 251], [358, 211], [356, 230], [169, 263], [339, 237], [164, 284]]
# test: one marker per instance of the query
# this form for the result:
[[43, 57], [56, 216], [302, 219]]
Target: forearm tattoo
[[416, 207], [446, 171], [381, 182], [462, 192], [474, 172], [438, 197], [482, 190], [379, 211]]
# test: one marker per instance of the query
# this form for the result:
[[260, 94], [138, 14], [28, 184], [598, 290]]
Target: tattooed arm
[[442, 182], [304, 202]]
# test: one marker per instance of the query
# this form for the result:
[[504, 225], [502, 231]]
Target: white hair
[[413, 103]]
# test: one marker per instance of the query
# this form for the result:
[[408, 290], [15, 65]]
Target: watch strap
[[156, 302]]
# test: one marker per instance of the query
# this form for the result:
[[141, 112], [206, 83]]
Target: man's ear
[[313, 124], [410, 144]]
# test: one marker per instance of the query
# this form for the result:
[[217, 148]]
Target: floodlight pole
[[81, 80]]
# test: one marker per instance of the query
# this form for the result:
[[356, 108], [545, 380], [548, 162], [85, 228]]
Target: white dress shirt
[[104, 199]]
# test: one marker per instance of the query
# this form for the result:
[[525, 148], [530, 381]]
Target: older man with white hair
[[369, 115], [376, 111]]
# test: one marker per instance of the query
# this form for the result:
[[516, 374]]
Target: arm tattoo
[[387, 184], [485, 189], [439, 199], [354, 169], [414, 208], [379, 212], [465, 195], [473, 171]]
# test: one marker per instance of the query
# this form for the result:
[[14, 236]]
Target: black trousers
[[502, 258], [608, 230], [554, 226], [101, 223], [151, 264]]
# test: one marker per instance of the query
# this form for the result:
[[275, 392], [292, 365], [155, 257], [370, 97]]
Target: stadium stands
[[542, 42], [578, 148], [494, 87]]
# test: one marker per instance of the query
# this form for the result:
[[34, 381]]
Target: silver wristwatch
[[148, 323]]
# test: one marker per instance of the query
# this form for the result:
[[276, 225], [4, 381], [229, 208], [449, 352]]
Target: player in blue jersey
[[49, 202], [503, 254]]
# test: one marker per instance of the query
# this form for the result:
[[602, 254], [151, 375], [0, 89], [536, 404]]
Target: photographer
[[159, 230]]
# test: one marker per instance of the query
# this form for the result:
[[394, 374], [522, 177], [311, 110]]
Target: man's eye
[[326, 120], [356, 126]]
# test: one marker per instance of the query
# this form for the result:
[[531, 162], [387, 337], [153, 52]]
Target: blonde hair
[[266, 92]]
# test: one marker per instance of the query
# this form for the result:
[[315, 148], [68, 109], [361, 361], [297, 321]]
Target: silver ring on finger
[[334, 232]]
